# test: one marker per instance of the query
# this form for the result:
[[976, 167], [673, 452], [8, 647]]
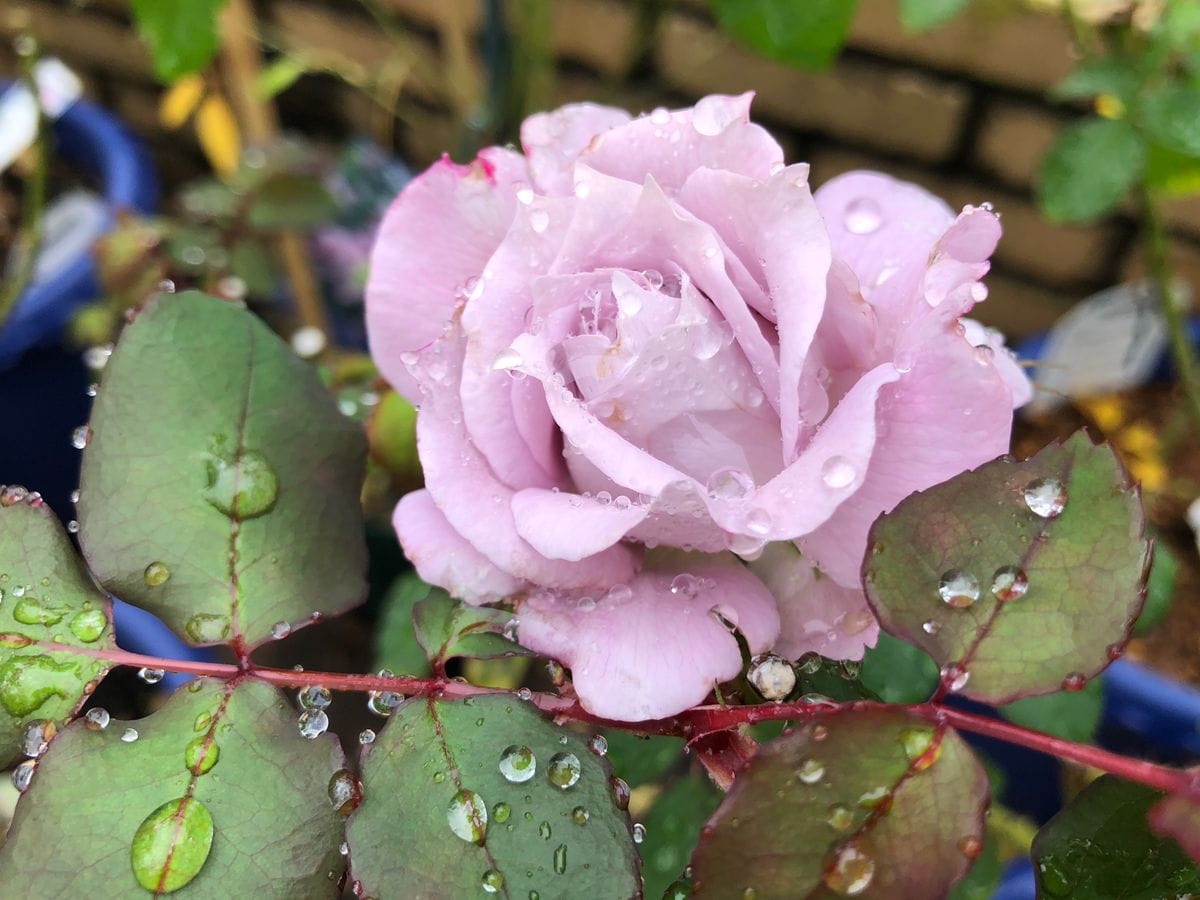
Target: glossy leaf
[[290, 200], [216, 792], [808, 35], [1090, 169], [393, 436], [1171, 115], [941, 567], [1160, 589], [898, 672], [440, 818], [641, 760], [873, 802], [447, 628], [672, 828], [181, 34], [46, 597], [1102, 846], [220, 486], [924, 15], [1073, 715], [395, 641]]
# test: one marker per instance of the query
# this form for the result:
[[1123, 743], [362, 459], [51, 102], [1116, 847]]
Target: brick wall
[[961, 110]]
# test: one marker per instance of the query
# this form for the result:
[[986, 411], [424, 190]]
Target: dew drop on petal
[[958, 588], [729, 484], [863, 216], [837, 472], [712, 115], [507, 359], [1009, 583], [758, 522], [1046, 497], [517, 764]]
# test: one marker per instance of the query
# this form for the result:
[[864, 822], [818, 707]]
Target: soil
[[1159, 447]]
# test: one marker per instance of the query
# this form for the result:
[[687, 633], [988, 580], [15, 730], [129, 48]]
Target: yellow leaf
[[217, 131], [180, 101]]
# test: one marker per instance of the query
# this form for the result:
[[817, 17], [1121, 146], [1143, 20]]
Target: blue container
[[87, 137]]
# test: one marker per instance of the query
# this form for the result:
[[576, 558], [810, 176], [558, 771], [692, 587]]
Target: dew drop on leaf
[[171, 845], [580, 815], [280, 630], [929, 626], [22, 775], [564, 770], [639, 833], [97, 719], [1074, 682], [467, 816], [206, 628], [88, 625], [772, 676], [345, 794], [517, 764], [492, 881], [1046, 497], [314, 697], [811, 771], [620, 792], [958, 588], [545, 831], [157, 573], [954, 677], [151, 676], [839, 817], [37, 736], [201, 754], [129, 735], [560, 859], [366, 736], [312, 723], [851, 871], [1009, 583], [501, 812], [970, 847], [244, 487], [598, 744]]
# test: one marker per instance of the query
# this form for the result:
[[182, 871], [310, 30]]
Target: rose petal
[[444, 557], [437, 234], [542, 519], [553, 140], [1013, 373], [645, 652], [816, 614]]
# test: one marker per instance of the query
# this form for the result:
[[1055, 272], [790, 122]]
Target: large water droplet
[[772, 676], [97, 719], [758, 522], [729, 483], [151, 676], [598, 744], [201, 754], [205, 628], [1046, 497], [314, 697], [517, 764], [492, 881], [37, 736], [242, 487], [129, 735], [851, 871], [88, 625], [467, 816], [837, 472], [80, 437], [958, 588], [1009, 583], [22, 774], [32, 611], [345, 793], [26, 682], [156, 573], [564, 770], [863, 216], [312, 723], [171, 845]]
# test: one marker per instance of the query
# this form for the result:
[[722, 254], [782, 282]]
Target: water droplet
[[874, 797], [243, 487], [580, 815], [954, 677], [856, 622], [639, 832], [839, 817], [712, 115], [151, 676], [1009, 583], [729, 484], [171, 845], [929, 626], [758, 522], [811, 771], [1074, 682], [838, 472], [685, 585], [280, 630], [345, 793], [201, 754], [314, 697], [97, 719], [772, 676], [203, 720], [598, 744], [620, 792], [88, 625], [958, 588], [468, 817], [366, 736], [26, 682], [560, 859], [517, 764], [312, 723], [37, 736], [916, 741], [206, 628], [850, 872], [22, 775], [73, 526], [970, 847], [564, 770], [539, 220], [308, 341], [129, 735], [156, 573], [507, 359], [80, 437], [492, 881], [32, 611], [384, 703], [863, 216], [1046, 497]]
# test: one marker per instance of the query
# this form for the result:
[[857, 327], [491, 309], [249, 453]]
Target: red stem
[[691, 724]]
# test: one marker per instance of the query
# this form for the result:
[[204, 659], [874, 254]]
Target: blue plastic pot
[[87, 137]]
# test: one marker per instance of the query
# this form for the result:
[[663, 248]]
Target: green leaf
[[393, 436], [673, 826], [898, 672], [1073, 715], [865, 799], [1089, 170], [251, 261], [280, 75], [447, 628], [220, 486], [1102, 846], [287, 200], [808, 34], [396, 646], [1017, 578], [440, 818], [1160, 589], [216, 792], [1171, 115], [46, 597], [925, 15], [1098, 76], [181, 34], [640, 760], [984, 875]]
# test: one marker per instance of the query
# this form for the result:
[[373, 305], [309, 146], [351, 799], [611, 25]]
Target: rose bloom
[[665, 389]]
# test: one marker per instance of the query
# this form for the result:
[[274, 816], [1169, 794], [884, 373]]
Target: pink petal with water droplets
[[541, 518], [553, 140]]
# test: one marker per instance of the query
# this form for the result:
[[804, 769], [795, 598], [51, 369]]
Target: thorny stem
[[690, 724]]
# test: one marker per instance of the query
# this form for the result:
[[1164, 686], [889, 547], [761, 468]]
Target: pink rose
[[645, 354]]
